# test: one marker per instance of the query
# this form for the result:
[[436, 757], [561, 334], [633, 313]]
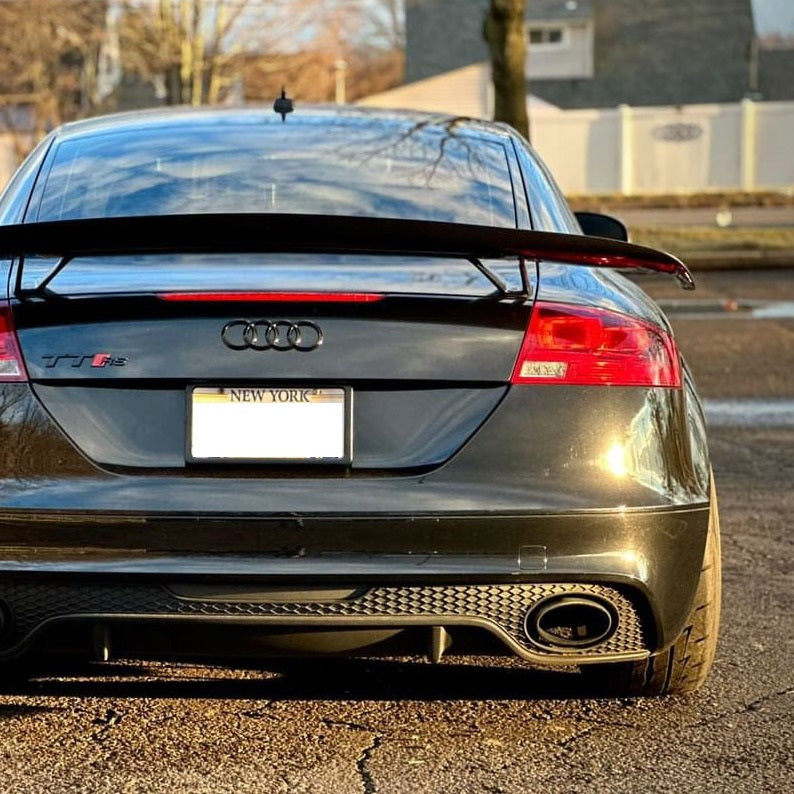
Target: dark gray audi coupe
[[343, 381]]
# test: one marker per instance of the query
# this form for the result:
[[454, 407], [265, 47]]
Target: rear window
[[269, 273], [377, 170]]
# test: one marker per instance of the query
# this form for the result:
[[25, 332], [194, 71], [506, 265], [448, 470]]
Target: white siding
[[571, 59]]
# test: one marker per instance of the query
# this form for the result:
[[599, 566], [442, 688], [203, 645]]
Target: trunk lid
[[420, 349]]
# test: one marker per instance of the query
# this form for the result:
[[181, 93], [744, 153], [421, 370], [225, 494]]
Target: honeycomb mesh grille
[[502, 605]]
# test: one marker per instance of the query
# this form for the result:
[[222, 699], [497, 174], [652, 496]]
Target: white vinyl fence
[[685, 149]]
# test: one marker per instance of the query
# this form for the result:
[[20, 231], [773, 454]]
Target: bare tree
[[49, 57], [363, 39], [382, 23], [195, 51], [504, 32], [192, 51], [182, 46]]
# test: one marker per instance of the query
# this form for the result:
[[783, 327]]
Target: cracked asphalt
[[462, 726]]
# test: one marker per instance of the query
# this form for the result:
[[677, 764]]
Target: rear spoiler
[[274, 233]]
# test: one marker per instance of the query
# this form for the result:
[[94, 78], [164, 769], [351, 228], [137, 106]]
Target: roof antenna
[[283, 105]]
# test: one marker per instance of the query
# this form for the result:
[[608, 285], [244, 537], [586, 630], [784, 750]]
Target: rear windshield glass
[[377, 170], [269, 272]]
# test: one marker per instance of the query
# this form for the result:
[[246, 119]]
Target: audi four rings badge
[[272, 335]]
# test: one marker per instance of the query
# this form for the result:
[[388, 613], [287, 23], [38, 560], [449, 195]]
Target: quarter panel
[[559, 283], [585, 447]]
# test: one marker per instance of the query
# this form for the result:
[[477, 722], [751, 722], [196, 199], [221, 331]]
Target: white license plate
[[249, 424]]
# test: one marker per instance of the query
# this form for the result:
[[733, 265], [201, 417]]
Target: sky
[[774, 16]]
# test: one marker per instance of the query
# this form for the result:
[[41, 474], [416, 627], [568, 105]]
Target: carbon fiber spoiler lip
[[276, 233]]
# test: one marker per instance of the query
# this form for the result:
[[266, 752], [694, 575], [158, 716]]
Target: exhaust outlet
[[568, 622]]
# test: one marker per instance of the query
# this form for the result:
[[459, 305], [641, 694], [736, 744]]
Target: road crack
[[104, 724], [362, 762], [753, 705], [566, 744]]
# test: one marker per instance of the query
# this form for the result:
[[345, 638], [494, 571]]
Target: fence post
[[749, 141], [626, 150]]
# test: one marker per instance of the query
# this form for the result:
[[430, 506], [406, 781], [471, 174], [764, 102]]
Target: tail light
[[11, 366], [574, 345]]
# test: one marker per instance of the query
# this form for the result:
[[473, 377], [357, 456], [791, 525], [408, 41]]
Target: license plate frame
[[337, 401]]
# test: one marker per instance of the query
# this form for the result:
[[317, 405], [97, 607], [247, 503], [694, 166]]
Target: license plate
[[253, 424]]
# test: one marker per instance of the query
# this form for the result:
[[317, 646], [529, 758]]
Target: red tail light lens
[[11, 367], [574, 345]]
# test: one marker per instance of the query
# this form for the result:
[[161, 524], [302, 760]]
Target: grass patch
[[688, 239], [612, 201]]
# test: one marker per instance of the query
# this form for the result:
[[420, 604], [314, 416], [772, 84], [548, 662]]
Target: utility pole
[[340, 68]]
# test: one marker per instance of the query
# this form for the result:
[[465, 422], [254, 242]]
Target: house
[[602, 53]]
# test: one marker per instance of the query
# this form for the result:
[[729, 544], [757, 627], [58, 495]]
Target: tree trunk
[[504, 32]]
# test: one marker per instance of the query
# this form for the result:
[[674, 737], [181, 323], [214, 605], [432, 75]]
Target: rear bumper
[[392, 571], [523, 511]]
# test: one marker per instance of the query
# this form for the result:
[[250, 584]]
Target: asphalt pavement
[[392, 726]]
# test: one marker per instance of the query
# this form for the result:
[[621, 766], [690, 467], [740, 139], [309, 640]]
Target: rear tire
[[684, 667]]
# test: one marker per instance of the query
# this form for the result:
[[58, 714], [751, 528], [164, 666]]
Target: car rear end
[[339, 449]]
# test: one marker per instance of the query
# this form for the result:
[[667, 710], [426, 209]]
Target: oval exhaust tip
[[569, 622]]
